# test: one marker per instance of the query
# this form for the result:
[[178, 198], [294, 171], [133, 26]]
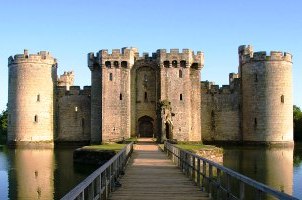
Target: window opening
[[108, 64], [180, 74], [180, 97], [282, 98]]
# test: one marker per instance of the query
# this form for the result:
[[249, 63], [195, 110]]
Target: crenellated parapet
[[208, 87], [117, 58], [247, 55], [175, 58], [43, 57], [73, 90]]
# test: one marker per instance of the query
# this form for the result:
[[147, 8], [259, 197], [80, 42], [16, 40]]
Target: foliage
[[297, 123], [3, 126]]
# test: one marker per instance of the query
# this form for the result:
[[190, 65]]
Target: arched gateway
[[145, 126]]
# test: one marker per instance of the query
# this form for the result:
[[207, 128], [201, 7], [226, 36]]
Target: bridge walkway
[[151, 175]]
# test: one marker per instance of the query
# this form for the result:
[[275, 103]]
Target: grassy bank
[[105, 147]]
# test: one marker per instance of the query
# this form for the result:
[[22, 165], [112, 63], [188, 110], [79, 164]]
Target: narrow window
[[110, 77], [256, 77], [38, 97], [255, 122], [146, 96], [36, 118], [180, 74], [83, 123], [121, 97], [282, 98], [76, 109], [115, 63], [180, 97]]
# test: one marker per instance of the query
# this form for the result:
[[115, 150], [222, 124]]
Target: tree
[[3, 125], [297, 123]]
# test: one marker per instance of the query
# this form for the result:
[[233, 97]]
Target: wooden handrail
[[102, 181], [190, 164]]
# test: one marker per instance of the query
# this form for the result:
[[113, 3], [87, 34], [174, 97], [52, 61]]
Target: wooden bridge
[[151, 175], [175, 174]]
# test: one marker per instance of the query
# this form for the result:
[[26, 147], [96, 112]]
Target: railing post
[[193, 169], [218, 182], [210, 180], [198, 172], [228, 185], [241, 197], [204, 173]]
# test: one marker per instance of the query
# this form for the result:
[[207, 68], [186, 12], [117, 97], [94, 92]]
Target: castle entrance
[[145, 126]]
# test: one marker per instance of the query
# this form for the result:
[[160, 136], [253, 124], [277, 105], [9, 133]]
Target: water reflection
[[32, 175], [271, 166], [39, 173]]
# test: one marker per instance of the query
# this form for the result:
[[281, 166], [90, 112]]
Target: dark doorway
[[145, 128], [167, 126]]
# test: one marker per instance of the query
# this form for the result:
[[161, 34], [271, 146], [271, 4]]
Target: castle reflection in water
[[49, 174]]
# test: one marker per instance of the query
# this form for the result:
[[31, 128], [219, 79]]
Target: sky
[[70, 29]]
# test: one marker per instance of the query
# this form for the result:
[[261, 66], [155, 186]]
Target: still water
[[39, 173], [280, 168], [49, 174]]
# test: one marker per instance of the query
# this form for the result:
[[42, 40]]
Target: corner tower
[[267, 100], [32, 80]]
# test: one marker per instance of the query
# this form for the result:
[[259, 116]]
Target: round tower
[[267, 99], [32, 78]]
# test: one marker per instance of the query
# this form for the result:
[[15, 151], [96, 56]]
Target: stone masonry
[[159, 96]]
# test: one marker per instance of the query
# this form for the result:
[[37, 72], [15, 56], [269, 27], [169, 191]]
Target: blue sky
[[70, 29]]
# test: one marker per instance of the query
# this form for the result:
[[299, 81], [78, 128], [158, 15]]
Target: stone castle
[[159, 95]]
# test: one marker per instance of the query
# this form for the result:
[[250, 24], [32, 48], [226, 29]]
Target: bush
[[3, 126], [297, 123]]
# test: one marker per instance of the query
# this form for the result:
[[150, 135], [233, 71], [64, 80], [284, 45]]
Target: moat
[[49, 174]]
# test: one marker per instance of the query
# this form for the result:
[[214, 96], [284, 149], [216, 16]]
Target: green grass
[[132, 139], [104, 147], [194, 147]]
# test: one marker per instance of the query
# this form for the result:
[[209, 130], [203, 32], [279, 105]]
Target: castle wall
[[220, 115], [267, 96], [74, 113], [31, 97]]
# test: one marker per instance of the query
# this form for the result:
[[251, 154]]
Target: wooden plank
[[151, 175]]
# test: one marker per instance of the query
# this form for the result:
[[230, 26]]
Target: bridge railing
[[102, 181], [220, 182]]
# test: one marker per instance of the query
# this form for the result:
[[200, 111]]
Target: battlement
[[247, 55], [40, 57], [119, 57], [210, 88], [73, 90], [186, 58]]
